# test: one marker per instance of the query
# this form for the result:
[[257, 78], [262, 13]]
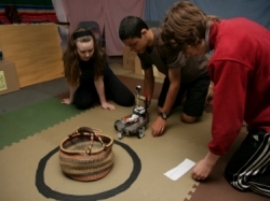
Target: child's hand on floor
[[204, 167], [66, 101], [107, 106], [158, 127]]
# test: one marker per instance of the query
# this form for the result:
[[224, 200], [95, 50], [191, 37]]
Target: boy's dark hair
[[130, 27]]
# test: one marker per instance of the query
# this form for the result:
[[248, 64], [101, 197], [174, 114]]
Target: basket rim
[[103, 136]]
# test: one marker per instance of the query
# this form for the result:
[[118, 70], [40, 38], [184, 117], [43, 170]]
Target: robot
[[134, 124]]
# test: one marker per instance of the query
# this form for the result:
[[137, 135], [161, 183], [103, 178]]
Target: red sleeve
[[230, 85]]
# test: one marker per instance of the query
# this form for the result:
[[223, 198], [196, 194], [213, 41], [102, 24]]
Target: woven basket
[[86, 155]]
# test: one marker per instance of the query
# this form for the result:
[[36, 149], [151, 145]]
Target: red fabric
[[38, 17], [240, 70], [30, 17], [4, 19]]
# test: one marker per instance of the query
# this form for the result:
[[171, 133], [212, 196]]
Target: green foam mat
[[10, 132], [20, 123]]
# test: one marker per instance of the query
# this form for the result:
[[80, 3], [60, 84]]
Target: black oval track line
[[50, 193]]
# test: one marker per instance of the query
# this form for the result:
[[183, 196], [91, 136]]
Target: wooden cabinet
[[35, 50]]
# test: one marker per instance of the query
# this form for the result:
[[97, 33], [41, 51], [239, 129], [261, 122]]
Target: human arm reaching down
[[99, 84], [159, 124], [149, 83], [72, 90], [228, 112]]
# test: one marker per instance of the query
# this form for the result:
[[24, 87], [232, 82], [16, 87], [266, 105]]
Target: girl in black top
[[88, 75]]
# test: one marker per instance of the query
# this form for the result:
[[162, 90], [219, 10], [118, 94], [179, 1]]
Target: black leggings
[[196, 95], [86, 94]]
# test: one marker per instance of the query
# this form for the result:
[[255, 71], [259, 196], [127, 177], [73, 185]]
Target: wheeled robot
[[135, 123]]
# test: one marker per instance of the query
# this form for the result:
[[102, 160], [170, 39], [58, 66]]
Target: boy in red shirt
[[240, 70]]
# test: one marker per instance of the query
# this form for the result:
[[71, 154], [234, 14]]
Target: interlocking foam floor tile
[[11, 132], [32, 94], [18, 169], [192, 191], [21, 98], [157, 155], [53, 87], [20, 123], [21, 162], [41, 115]]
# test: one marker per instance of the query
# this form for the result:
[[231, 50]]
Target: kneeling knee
[[83, 105], [126, 102], [188, 119]]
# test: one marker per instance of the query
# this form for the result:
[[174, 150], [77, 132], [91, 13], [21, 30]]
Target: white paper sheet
[[180, 170]]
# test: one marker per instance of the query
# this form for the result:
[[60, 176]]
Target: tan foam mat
[[156, 156]]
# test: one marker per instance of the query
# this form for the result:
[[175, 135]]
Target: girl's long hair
[[71, 58]]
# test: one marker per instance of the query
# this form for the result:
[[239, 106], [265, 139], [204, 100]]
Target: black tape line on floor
[[50, 193]]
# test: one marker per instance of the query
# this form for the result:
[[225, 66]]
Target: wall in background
[[257, 10], [108, 13], [27, 2]]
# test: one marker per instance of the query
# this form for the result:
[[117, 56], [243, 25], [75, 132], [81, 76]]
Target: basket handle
[[93, 135]]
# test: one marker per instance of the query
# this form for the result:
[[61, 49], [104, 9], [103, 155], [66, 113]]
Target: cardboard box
[[140, 71], [8, 77], [129, 59]]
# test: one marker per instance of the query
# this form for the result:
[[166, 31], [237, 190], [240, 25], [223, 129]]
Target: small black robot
[[135, 123]]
